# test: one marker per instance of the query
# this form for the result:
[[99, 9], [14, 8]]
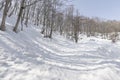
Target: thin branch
[[32, 3]]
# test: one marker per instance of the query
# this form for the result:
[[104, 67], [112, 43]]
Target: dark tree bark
[[6, 8]]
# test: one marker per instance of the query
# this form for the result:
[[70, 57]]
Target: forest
[[54, 40], [56, 16]]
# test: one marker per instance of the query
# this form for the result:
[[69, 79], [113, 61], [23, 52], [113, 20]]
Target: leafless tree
[[5, 12]]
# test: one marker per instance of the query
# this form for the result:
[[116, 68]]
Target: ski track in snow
[[38, 58]]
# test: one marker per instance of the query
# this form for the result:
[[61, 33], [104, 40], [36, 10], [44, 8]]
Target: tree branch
[[32, 3]]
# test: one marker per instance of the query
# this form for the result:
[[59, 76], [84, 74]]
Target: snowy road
[[28, 56]]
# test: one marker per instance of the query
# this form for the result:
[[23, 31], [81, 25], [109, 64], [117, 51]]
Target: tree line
[[54, 16]]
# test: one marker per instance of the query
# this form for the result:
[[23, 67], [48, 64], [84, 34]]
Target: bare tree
[[5, 12], [76, 26], [22, 7]]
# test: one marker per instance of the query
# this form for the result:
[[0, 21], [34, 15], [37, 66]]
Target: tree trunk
[[2, 27], [19, 16]]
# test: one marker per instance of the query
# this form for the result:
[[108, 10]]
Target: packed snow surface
[[28, 56]]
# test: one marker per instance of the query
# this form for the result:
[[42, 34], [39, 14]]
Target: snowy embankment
[[29, 56]]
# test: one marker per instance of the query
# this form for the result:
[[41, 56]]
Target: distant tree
[[59, 22], [76, 26]]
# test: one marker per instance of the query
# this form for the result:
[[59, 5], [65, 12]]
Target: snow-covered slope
[[29, 56]]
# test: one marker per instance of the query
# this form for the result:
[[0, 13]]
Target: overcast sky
[[108, 9]]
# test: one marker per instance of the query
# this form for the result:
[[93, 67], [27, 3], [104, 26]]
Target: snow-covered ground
[[28, 56]]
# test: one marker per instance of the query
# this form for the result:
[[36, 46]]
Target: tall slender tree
[[5, 12]]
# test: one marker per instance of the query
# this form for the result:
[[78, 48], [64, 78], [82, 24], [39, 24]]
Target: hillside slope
[[29, 56]]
